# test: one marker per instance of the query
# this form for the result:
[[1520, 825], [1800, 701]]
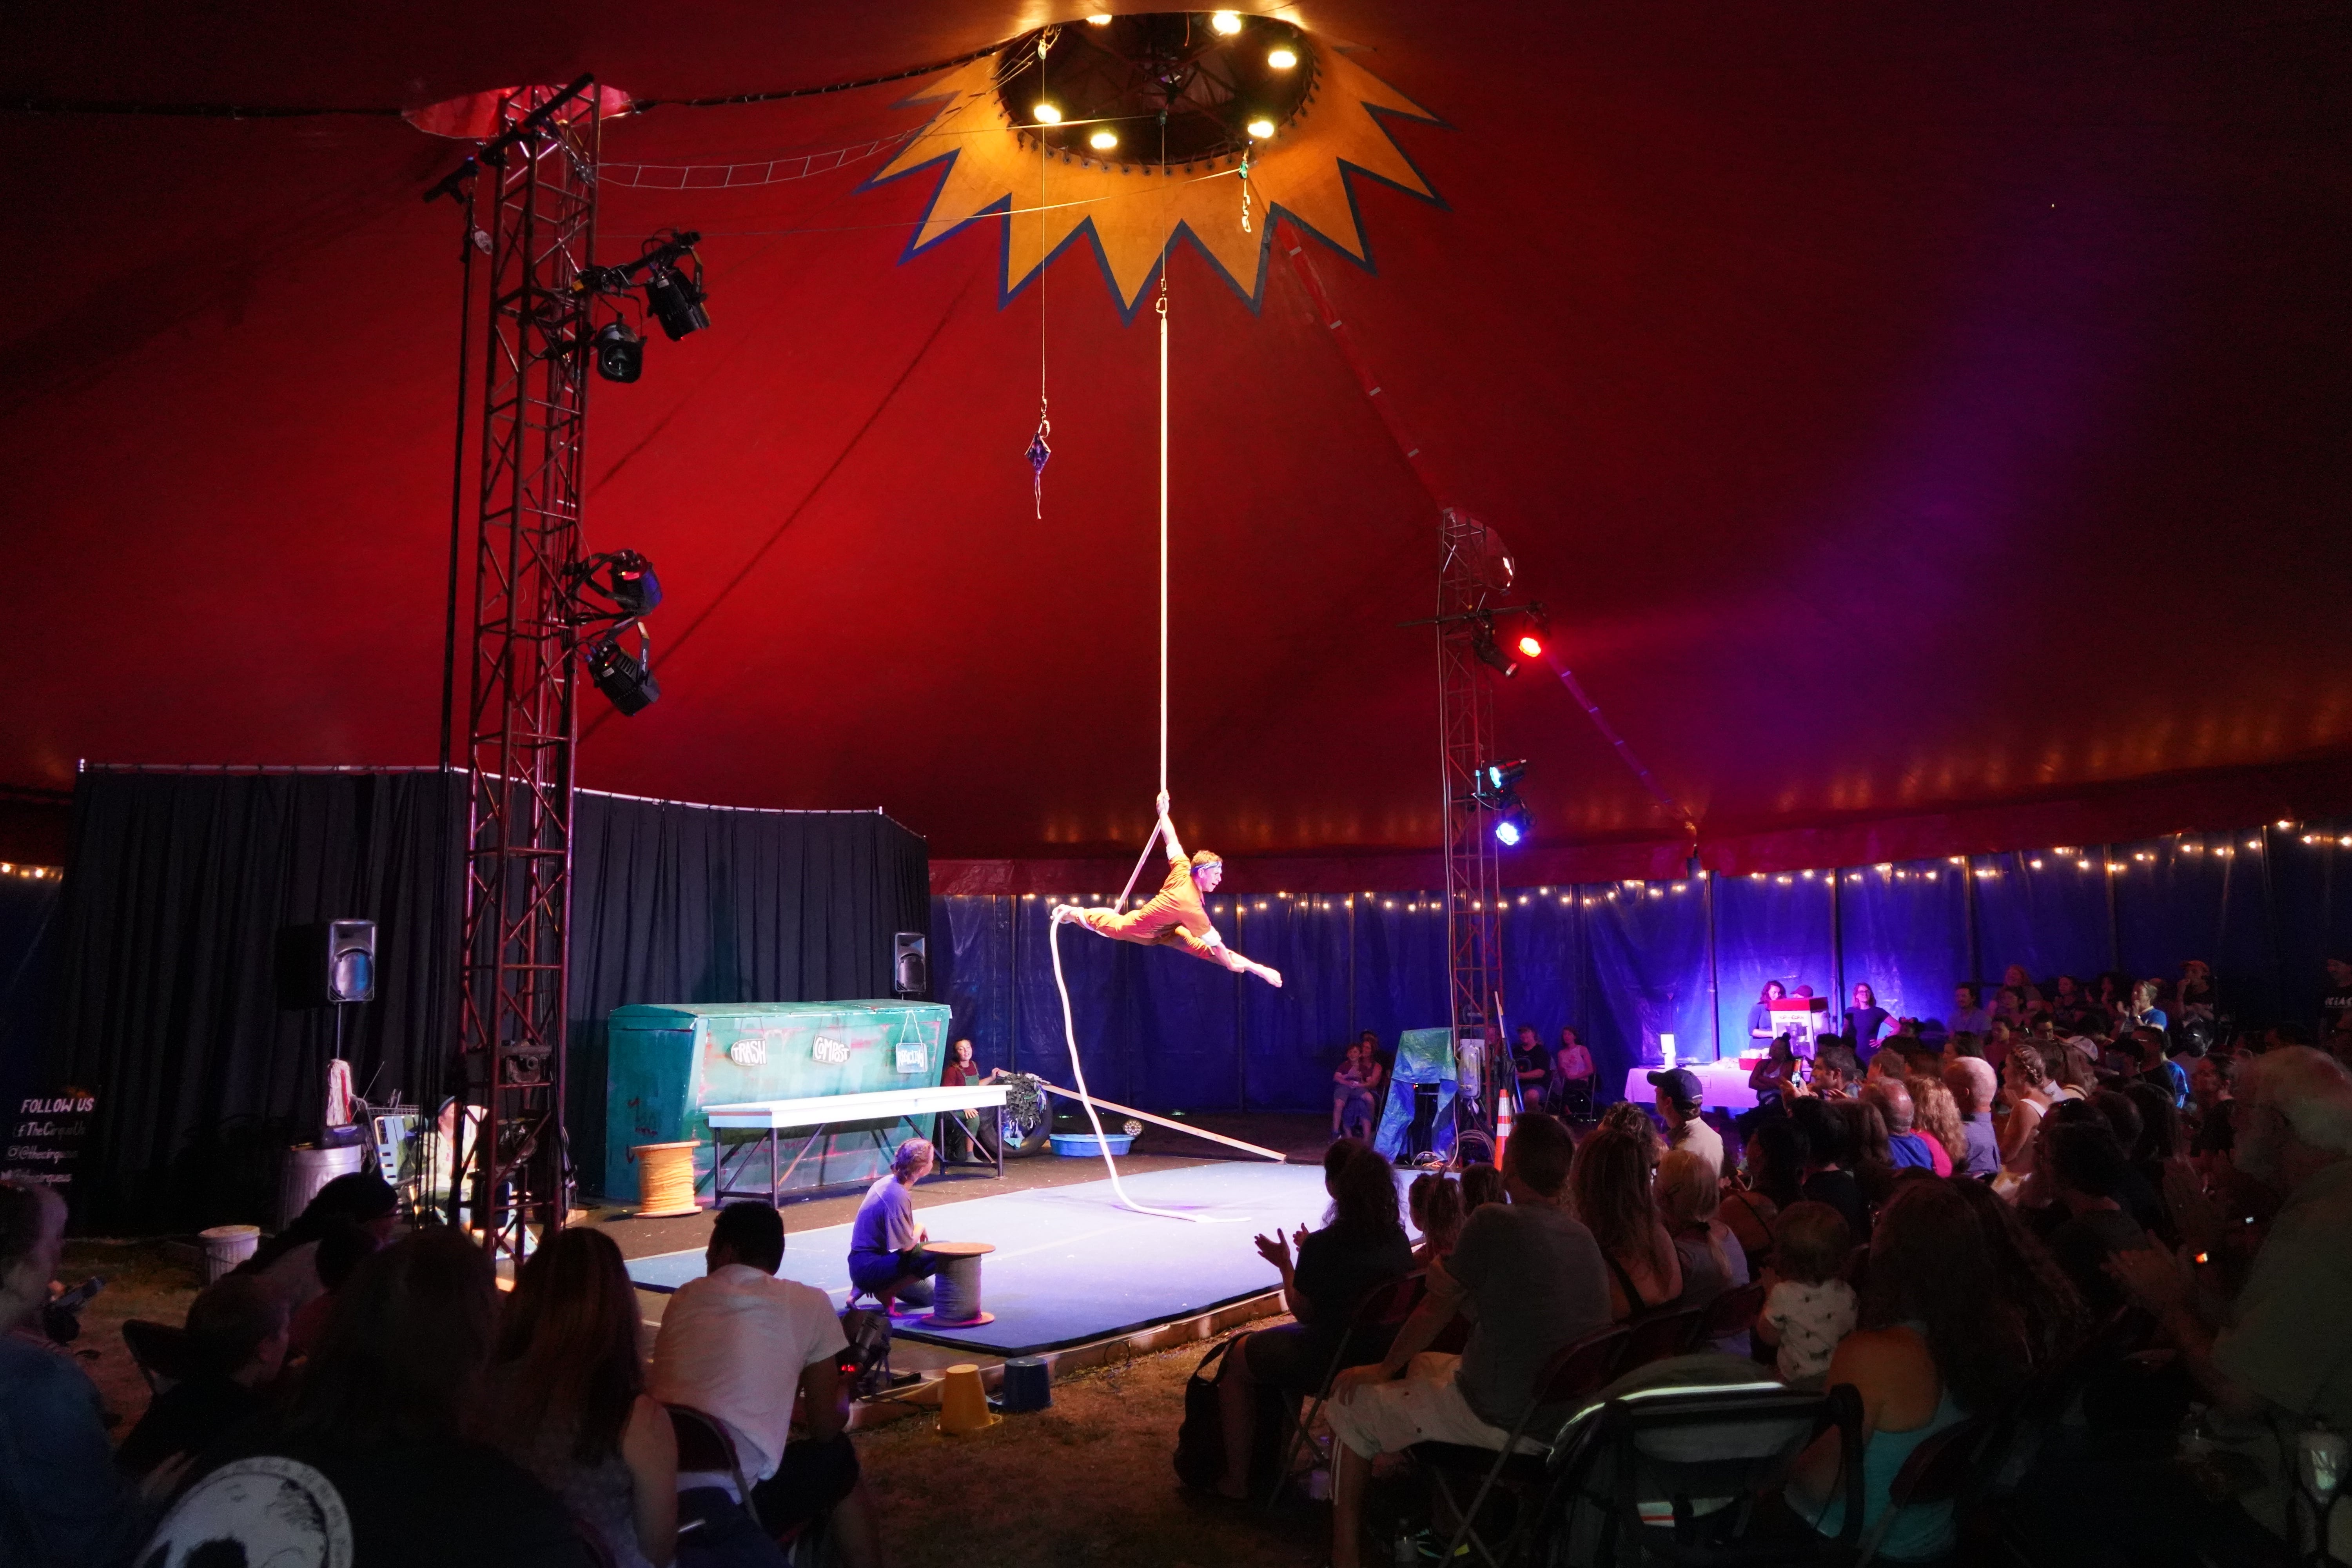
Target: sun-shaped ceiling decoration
[[1061, 134]]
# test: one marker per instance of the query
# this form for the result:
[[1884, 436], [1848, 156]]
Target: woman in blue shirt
[[1759, 1016]]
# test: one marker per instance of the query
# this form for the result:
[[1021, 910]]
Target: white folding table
[[820, 1115]]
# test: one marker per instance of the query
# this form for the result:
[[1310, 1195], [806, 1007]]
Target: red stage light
[[1531, 646]]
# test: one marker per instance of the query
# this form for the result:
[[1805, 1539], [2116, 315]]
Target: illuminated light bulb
[[1225, 22], [1531, 646], [2086, 865], [1261, 129], [1100, 20], [1048, 115], [1282, 59], [1103, 141]]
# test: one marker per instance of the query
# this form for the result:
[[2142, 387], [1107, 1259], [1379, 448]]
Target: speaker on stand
[[327, 963]]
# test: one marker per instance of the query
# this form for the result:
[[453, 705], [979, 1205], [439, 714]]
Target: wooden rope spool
[[665, 1179], [955, 1288]]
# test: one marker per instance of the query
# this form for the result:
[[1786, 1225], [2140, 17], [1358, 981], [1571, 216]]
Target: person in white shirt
[[1679, 1097], [740, 1346]]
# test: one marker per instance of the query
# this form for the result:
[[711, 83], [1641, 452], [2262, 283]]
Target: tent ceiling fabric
[[1902, 410]]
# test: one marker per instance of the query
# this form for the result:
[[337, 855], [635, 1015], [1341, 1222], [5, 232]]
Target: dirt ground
[[1090, 1481], [142, 1280]]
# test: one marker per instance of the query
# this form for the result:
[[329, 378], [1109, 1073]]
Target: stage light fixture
[[1530, 647], [1261, 129], [676, 301], [1282, 59], [1513, 826], [1103, 141], [620, 353], [1227, 23], [1048, 115], [1499, 779], [627, 679], [1483, 644]]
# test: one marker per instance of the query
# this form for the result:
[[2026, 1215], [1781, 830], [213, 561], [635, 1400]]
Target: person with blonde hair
[[2025, 1080], [1936, 1118], [1712, 1259]]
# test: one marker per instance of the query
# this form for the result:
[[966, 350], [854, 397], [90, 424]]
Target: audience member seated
[[1360, 1250], [968, 1136], [1873, 1152], [383, 1424], [1774, 1079], [1968, 1010], [340, 1251], [1434, 1202], [2026, 1277], [1530, 1278], [887, 1260], [2082, 1163], [1935, 1344], [569, 1401], [1835, 1072], [2141, 1195], [740, 1346], [1974, 1086], [1636, 1123], [1573, 1077], [1482, 1184], [1906, 1149], [236, 1339], [1809, 1307], [1532, 1063], [1351, 1093], [1936, 1118], [1679, 1092], [62, 1503], [1755, 1198], [2282, 1354], [2025, 1082], [1688, 1195], [2156, 1063], [288, 1260], [1610, 1192], [1827, 1148]]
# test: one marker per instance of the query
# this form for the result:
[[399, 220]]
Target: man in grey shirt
[[1968, 1010], [1532, 1281]]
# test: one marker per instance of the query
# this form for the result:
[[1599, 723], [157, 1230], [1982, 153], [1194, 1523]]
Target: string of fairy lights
[[31, 873], [2110, 860]]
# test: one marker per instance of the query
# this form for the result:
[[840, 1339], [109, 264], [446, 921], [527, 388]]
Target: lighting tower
[[535, 192], [1473, 580]]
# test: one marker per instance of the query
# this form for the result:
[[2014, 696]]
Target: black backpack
[[868, 1334], [1201, 1439]]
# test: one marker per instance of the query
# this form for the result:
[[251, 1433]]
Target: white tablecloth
[[1723, 1085]]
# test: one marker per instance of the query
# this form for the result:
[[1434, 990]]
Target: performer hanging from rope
[[1174, 916]]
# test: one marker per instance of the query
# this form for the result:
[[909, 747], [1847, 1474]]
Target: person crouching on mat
[[887, 1260], [1174, 916]]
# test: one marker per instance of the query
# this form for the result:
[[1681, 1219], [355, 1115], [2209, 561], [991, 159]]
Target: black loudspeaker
[[326, 963], [911, 972]]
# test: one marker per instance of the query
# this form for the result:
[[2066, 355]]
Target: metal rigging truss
[[536, 195], [1473, 580]]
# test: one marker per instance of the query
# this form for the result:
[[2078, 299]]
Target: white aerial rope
[[1054, 931]]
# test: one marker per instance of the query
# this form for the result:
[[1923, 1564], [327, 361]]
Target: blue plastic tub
[[1087, 1146]]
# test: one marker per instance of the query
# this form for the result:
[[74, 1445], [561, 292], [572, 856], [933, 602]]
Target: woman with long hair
[[1937, 1115], [2050, 1310], [1360, 1249], [1873, 1150], [1864, 1019], [1771, 1169], [570, 1403], [1634, 1122], [1759, 1016], [1609, 1189], [1935, 1343], [1774, 1078]]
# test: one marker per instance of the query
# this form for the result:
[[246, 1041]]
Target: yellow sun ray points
[[1133, 212]]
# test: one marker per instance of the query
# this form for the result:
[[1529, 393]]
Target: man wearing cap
[[1174, 916], [1678, 1096]]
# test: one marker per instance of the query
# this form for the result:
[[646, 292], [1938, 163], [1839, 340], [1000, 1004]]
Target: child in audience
[[1809, 1308], [1481, 1185], [1435, 1204]]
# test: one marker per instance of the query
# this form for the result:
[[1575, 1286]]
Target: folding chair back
[[1733, 1313], [1938, 1472], [1657, 1336], [704, 1445], [1384, 1306], [160, 1352], [1672, 1475]]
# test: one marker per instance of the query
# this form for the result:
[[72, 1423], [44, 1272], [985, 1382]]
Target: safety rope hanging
[[1041, 451]]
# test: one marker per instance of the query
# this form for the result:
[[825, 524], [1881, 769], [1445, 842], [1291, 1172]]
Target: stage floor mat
[[1071, 1264]]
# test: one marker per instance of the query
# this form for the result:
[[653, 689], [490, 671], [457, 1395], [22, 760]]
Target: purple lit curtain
[[1769, 928], [1649, 972], [1904, 930], [2042, 911]]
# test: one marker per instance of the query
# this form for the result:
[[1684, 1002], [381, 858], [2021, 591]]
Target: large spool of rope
[[665, 1179], [955, 1288]]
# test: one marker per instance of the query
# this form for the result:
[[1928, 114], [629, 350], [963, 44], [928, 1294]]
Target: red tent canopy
[[1926, 424]]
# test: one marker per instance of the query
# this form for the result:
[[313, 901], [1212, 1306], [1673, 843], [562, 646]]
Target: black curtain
[[178, 884]]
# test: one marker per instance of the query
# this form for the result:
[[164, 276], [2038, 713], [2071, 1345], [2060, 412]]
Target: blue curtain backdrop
[[1627, 964]]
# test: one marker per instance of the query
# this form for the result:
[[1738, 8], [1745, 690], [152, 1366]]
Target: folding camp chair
[[1387, 1304], [159, 1350], [1675, 1474], [1570, 1380]]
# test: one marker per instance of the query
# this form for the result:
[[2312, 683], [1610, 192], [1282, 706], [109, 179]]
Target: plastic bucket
[[1028, 1384], [1087, 1146], [226, 1247]]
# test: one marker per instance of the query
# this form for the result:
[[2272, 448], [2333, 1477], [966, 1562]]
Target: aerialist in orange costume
[[1174, 916]]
